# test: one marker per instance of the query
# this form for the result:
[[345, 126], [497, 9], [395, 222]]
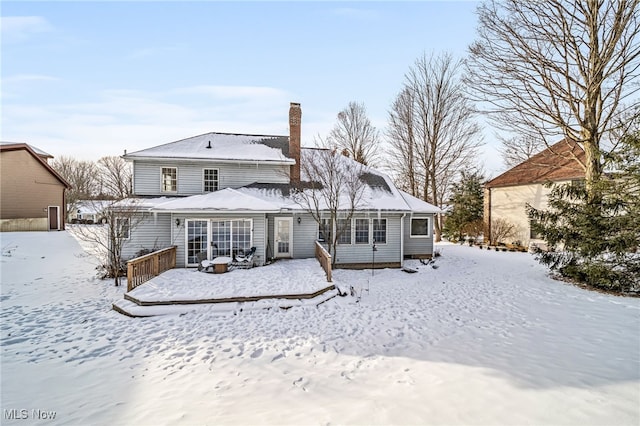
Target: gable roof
[[37, 150], [222, 147], [39, 158], [561, 161]]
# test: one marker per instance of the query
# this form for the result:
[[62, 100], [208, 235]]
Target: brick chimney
[[295, 117]]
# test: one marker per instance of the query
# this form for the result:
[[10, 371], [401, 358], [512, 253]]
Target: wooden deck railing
[[143, 268], [324, 258]]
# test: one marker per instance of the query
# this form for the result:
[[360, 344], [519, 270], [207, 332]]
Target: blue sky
[[89, 79]]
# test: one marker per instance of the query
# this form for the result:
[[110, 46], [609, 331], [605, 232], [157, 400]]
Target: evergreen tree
[[596, 242], [467, 207]]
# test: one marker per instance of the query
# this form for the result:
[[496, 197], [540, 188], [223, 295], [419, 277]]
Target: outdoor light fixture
[[177, 221], [299, 220]]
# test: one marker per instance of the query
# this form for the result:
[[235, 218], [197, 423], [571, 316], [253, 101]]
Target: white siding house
[[221, 193]]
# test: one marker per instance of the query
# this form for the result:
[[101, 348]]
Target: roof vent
[[209, 146]]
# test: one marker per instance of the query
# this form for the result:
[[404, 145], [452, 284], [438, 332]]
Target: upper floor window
[[169, 180], [420, 227], [380, 231], [210, 180]]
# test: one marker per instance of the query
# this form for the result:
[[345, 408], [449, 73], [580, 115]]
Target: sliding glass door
[[197, 239], [226, 237]]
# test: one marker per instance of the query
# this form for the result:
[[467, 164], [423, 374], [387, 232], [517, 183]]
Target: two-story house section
[[221, 193]]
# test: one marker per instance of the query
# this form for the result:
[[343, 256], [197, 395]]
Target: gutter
[[215, 160], [214, 211], [402, 240]]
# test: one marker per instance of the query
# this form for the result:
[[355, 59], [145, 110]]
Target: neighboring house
[[219, 193], [89, 211], [507, 195], [32, 194]]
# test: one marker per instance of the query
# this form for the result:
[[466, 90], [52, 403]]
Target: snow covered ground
[[486, 338]]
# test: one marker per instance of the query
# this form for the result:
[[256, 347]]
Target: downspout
[[402, 240]]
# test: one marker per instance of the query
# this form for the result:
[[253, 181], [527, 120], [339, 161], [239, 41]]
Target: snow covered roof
[[222, 147], [93, 206], [419, 206], [37, 150], [224, 200], [380, 194]]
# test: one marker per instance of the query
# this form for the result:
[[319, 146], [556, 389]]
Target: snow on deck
[[283, 277]]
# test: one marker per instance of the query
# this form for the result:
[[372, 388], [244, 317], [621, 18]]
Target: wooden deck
[[321, 295]]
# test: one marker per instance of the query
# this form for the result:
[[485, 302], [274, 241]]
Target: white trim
[[369, 231], [402, 240], [212, 211], [275, 236], [120, 218], [210, 160], [217, 179], [429, 226], [162, 191], [386, 231], [186, 238], [210, 221]]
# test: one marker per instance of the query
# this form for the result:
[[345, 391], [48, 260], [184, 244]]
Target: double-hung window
[[123, 228], [420, 227], [169, 179], [343, 227], [362, 231], [324, 231], [380, 231], [210, 180]]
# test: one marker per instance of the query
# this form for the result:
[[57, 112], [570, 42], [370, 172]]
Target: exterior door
[[54, 218], [283, 228]]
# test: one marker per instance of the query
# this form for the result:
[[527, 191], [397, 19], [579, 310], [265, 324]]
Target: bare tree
[[501, 229], [432, 129], [108, 239], [557, 66], [354, 135], [331, 192], [82, 176], [516, 149], [401, 136], [115, 177]]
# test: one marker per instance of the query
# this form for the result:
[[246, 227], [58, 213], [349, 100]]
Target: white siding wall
[[146, 179], [305, 235], [153, 232], [363, 253], [417, 246]]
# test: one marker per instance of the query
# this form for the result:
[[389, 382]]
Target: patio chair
[[200, 257], [244, 261]]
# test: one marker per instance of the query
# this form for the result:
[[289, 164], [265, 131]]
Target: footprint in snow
[[257, 353]]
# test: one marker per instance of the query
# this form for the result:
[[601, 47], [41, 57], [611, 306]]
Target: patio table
[[221, 264]]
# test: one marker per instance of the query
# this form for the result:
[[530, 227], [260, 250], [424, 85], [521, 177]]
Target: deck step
[[132, 309]]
